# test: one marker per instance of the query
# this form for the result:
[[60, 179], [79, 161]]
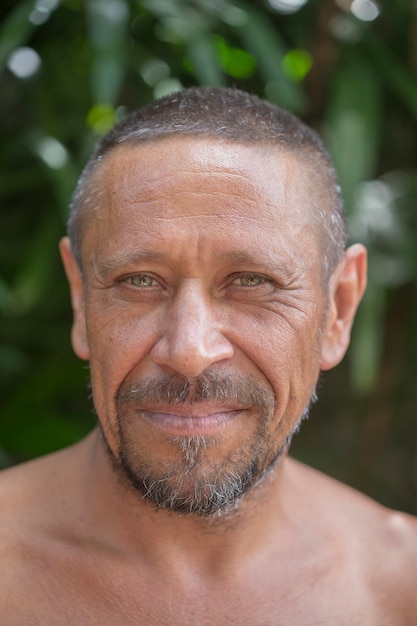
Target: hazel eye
[[142, 281], [249, 280]]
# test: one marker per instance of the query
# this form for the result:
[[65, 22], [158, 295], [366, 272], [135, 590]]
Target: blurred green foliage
[[69, 69]]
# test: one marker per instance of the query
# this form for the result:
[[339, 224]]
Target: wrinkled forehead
[[160, 177], [259, 171]]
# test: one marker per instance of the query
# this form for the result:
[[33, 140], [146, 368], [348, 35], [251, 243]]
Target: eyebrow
[[285, 268], [108, 267]]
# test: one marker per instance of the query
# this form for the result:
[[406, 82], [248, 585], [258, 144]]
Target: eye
[[250, 280], [142, 280]]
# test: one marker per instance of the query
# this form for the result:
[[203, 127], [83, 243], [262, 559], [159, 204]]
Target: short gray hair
[[233, 115]]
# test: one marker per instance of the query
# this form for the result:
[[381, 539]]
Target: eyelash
[[140, 278], [260, 280], [147, 281]]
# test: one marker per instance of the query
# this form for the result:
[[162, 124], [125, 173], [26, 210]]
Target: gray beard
[[192, 485]]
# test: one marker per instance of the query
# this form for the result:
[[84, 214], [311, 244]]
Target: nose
[[191, 338]]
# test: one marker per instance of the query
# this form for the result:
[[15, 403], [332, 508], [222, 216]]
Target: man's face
[[202, 314]]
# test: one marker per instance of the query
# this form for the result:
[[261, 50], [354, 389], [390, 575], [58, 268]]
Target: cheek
[[289, 338], [286, 350], [118, 342]]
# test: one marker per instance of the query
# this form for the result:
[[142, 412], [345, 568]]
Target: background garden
[[70, 68]]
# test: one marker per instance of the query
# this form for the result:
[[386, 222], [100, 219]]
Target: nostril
[[185, 364], [189, 357]]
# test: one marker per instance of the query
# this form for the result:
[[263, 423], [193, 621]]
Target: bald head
[[227, 115]]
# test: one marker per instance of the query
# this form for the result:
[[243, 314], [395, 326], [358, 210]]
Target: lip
[[189, 420]]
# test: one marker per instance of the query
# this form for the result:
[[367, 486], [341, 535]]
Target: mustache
[[209, 387]]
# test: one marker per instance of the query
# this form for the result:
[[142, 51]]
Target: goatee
[[192, 483]]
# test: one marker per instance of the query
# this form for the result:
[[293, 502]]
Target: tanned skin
[[204, 257]]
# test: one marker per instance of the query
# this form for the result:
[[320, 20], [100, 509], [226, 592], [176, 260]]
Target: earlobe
[[346, 289], [73, 272]]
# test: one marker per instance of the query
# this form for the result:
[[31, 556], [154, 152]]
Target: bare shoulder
[[361, 518], [25, 486], [379, 542], [35, 496], [34, 502], [28, 494]]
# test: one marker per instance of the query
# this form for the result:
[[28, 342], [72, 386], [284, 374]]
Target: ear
[[346, 289], [73, 272]]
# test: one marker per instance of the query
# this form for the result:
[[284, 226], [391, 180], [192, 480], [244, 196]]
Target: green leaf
[[394, 72], [16, 30], [367, 340], [202, 54], [236, 62], [108, 23], [35, 272], [297, 63], [353, 125], [101, 118], [267, 47]]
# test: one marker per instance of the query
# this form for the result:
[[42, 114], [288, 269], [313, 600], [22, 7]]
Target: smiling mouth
[[188, 421]]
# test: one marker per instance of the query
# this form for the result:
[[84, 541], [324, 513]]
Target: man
[[211, 284]]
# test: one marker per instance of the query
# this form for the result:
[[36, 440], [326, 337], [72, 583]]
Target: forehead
[[201, 187]]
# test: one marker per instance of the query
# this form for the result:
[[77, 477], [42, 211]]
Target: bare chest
[[105, 595]]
